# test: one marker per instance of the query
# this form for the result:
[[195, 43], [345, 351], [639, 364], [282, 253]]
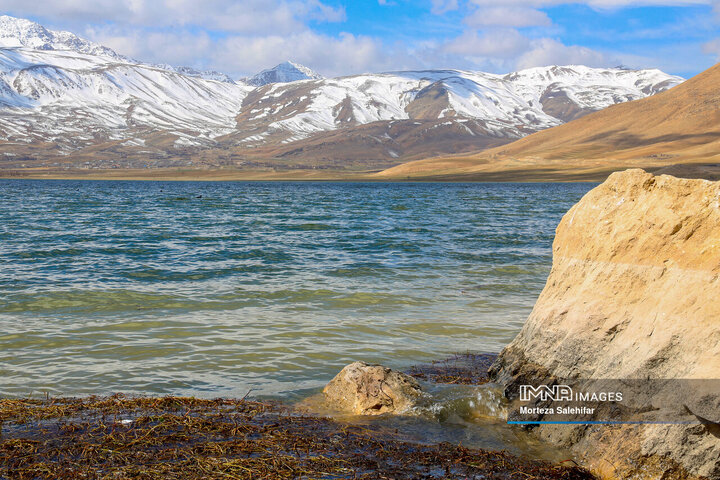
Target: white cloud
[[241, 37], [537, 47], [599, 4], [328, 55], [243, 16], [613, 4], [547, 51], [317, 10], [493, 49], [179, 47], [527, 13], [712, 47], [442, 6], [241, 55], [507, 16], [501, 43]]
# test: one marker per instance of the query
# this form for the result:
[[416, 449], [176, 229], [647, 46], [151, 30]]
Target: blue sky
[[338, 37]]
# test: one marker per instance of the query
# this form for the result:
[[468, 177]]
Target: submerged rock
[[633, 298], [364, 389]]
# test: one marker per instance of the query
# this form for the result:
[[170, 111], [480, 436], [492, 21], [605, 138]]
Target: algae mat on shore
[[187, 438]]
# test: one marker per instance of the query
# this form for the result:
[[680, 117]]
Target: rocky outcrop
[[634, 294], [364, 389]]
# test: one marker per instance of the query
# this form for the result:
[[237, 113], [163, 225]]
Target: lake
[[218, 289]]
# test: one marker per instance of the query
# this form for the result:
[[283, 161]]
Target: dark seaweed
[[187, 438]]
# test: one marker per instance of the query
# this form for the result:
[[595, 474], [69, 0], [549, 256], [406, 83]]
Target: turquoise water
[[216, 289]]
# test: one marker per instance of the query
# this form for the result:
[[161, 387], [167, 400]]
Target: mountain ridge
[[64, 105], [664, 131]]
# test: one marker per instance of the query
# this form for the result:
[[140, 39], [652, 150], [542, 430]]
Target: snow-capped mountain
[[502, 106], [57, 88], [74, 99], [286, 72], [18, 32], [66, 100]]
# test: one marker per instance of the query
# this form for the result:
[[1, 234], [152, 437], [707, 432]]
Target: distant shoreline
[[203, 175], [539, 174]]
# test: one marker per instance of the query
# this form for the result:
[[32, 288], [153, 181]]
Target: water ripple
[[218, 288]]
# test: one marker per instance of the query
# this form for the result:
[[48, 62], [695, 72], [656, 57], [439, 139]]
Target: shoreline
[[202, 175], [537, 174], [212, 176]]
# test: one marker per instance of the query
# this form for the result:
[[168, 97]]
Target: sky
[[344, 37]]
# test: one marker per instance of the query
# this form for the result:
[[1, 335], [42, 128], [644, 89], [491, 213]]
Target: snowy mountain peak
[[22, 33], [285, 72], [19, 32]]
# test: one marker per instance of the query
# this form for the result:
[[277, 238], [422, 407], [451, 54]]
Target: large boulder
[[364, 389], [634, 298]]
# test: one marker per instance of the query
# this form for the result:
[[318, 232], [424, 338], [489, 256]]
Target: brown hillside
[[679, 126]]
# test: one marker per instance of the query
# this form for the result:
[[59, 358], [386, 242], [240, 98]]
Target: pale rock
[[634, 293], [364, 389]]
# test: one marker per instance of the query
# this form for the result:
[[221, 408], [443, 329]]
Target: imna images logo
[[555, 393]]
